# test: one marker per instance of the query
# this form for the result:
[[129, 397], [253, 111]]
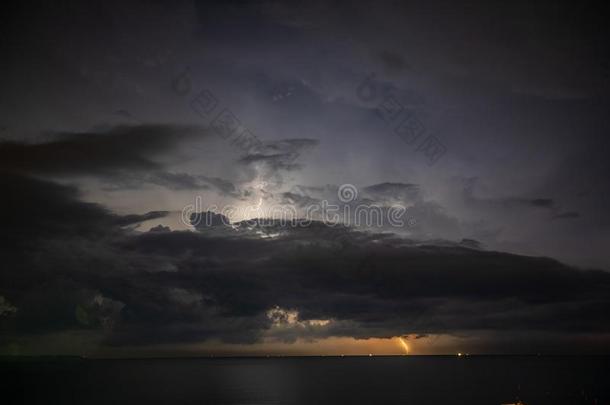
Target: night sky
[[147, 147]]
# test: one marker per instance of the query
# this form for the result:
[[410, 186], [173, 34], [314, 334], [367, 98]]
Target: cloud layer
[[262, 281]]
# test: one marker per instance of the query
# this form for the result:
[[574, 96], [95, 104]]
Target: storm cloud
[[104, 158], [142, 288]]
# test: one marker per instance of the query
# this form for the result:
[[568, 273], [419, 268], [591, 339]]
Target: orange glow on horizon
[[332, 346]]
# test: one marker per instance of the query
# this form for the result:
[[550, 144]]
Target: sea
[[418, 380]]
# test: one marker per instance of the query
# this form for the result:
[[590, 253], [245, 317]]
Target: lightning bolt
[[404, 345]]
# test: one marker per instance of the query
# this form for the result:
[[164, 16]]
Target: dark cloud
[[280, 155], [567, 215], [273, 159], [173, 181], [124, 148], [6, 309], [422, 218], [136, 218], [126, 157], [223, 186], [540, 202], [393, 61], [506, 202], [405, 193], [297, 199], [160, 228], [176, 181], [33, 208], [202, 220], [518, 93], [161, 286]]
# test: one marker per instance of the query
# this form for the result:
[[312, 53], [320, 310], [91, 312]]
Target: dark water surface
[[313, 380]]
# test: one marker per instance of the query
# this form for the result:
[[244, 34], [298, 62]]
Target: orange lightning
[[404, 345]]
